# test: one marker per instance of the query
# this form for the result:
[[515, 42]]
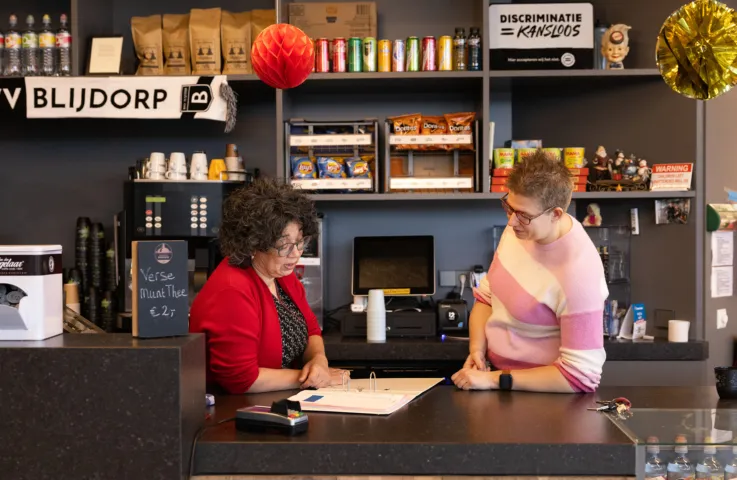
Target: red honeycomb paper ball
[[283, 56]]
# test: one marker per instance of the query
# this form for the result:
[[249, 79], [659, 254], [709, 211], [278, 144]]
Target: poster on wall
[[115, 97], [538, 36]]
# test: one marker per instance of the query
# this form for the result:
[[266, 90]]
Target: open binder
[[365, 396]]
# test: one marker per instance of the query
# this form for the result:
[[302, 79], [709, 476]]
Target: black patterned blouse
[[293, 328]]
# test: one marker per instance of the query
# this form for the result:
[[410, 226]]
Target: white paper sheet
[[390, 395], [722, 249], [722, 282]]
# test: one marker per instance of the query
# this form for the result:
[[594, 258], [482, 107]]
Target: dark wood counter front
[[444, 432]]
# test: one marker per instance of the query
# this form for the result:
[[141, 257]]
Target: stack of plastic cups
[[376, 317]]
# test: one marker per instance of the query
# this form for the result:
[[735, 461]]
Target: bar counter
[[445, 432]]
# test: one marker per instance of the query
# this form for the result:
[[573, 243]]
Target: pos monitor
[[400, 266]]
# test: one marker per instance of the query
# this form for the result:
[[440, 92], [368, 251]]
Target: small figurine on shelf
[[630, 167], [615, 45], [593, 216], [643, 171], [601, 170], [618, 167]]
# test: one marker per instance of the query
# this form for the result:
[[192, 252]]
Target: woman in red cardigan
[[253, 309]]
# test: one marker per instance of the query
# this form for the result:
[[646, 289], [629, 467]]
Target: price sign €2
[[160, 289]]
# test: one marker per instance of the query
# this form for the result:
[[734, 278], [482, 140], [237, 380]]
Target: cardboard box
[[540, 36], [332, 20]]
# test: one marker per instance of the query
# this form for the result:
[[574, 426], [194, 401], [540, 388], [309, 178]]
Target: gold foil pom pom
[[696, 49]]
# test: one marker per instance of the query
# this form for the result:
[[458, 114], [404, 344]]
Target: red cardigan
[[236, 312]]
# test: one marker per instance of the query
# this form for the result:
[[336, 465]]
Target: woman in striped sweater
[[538, 312]]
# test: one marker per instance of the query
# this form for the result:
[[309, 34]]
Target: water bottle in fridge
[[47, 43]]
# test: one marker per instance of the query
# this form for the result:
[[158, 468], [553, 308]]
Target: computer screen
[[398, 265]]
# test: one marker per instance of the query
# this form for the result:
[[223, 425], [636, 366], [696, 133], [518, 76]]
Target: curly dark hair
[[254, 218]]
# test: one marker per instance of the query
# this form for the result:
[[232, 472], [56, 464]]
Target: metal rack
[[410, 183], [363, 141]]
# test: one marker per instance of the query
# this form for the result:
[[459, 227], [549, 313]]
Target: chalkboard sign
[[160, 289]]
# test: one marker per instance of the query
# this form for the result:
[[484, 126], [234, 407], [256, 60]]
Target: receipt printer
[[452, 316], [284, 416]]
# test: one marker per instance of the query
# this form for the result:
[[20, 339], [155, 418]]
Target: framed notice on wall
[[539, 36]]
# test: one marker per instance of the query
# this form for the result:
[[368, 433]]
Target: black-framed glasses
[[286, 249], [523, 218]]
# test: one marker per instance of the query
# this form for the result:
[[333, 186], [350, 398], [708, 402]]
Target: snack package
[[303, 167], [204, 40], [331, 167], [461, 124], [148, 43], [434, 125], [235, 39], [406, 125], [176, 44], [359, 167]]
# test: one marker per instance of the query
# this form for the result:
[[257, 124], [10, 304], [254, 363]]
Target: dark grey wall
[[462, 231], [721, 172]]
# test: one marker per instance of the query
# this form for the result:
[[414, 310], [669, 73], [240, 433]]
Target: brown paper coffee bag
[[147, 40], [176, 45], [235, 31], [260, 19], [204, 40]]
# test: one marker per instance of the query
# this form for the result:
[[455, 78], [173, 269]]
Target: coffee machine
[[188, 210]]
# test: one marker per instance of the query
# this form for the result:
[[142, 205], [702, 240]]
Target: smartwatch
[[505, 380]]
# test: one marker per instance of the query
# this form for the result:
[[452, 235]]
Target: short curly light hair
[[543, 177], [255, 217]]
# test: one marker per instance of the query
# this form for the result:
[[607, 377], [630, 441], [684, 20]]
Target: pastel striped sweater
[[547, 306]]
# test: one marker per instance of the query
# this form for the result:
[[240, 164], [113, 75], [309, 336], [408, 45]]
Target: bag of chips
[[358, 167], [434, 125], [331, 167], [461, 124], [406, 125], [303, 167]]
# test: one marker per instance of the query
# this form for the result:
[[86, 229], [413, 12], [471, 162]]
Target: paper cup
[[678, 331]]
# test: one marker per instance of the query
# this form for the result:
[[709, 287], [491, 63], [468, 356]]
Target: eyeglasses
[[286, 249], [523, 218]]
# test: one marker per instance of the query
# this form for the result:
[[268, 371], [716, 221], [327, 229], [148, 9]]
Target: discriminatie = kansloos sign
[[114, 97]]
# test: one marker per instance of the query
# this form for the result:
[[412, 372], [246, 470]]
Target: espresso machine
[[188, 210]]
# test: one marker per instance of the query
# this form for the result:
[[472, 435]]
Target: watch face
[[505, 381]]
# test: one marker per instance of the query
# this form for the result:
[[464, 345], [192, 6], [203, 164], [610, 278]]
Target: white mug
[[178, 162], [157, 162], [174, 175], [198, 167], [155, 174], [678, 330]]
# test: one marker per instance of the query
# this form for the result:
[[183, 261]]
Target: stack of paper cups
[[376, 317]]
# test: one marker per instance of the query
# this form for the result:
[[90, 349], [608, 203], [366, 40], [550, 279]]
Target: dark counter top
[[340, 349], [444, 432], [102, 340]]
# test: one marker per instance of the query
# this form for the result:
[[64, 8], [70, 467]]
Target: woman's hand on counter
[[315, 373], [476, 361], [473, 379], [337, 376]]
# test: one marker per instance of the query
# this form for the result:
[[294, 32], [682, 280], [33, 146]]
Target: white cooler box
[[31, 292]]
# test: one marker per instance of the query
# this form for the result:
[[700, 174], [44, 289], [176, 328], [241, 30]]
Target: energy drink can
[[322, 55], [385, 56], [355, 54], [369, 54], [429, 54], [445, 53], [398, 53], [413, 55], [339, 55]]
